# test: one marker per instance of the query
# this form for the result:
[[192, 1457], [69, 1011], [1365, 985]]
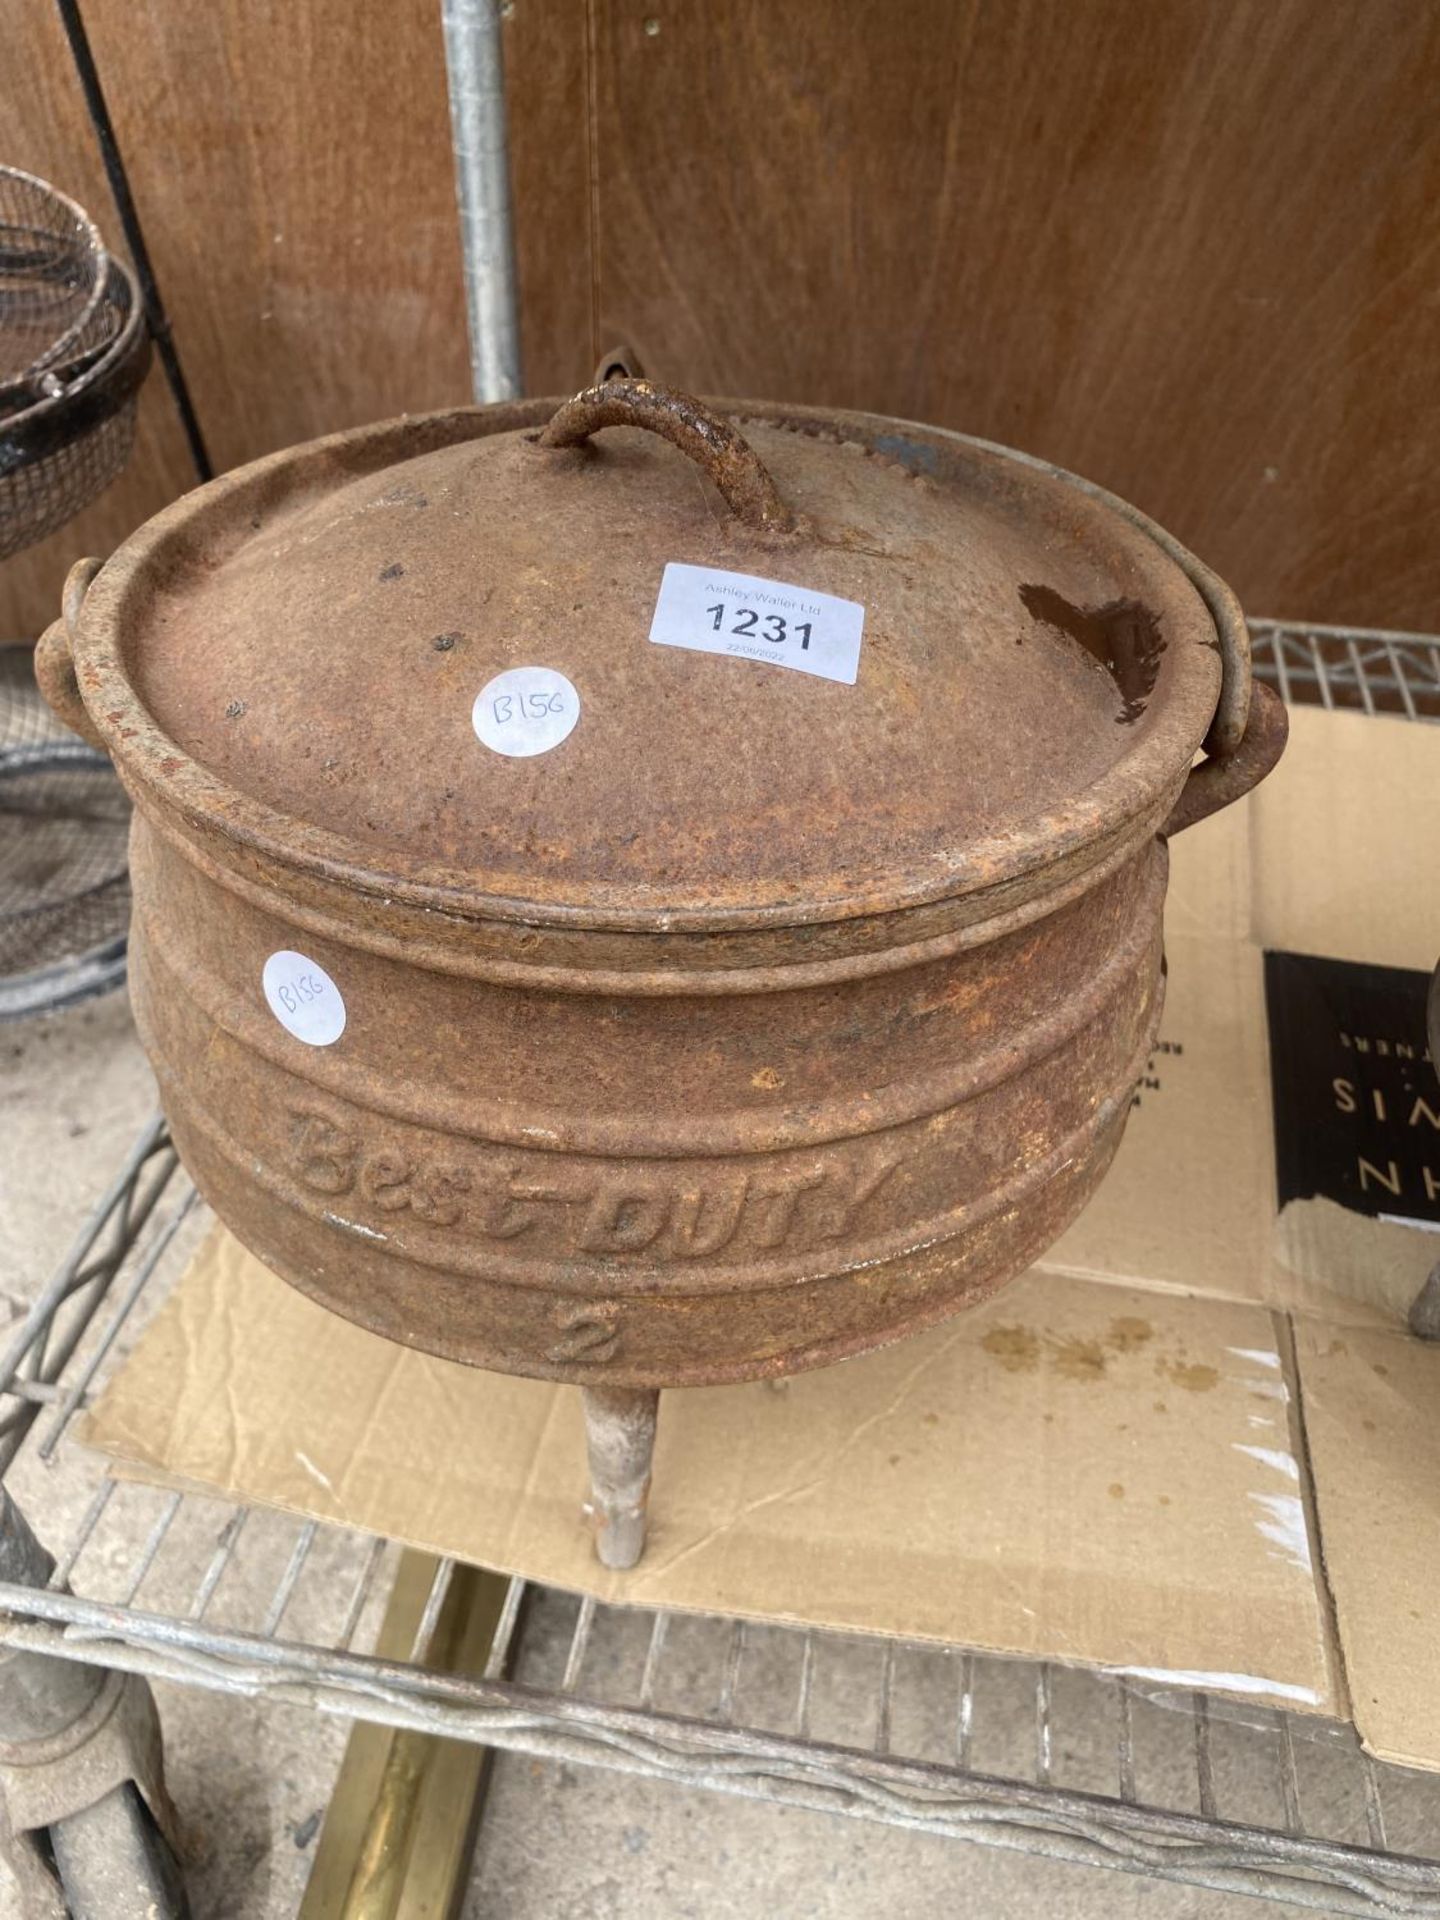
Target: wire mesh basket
[[74, 349], [64, 881], [52, 278]]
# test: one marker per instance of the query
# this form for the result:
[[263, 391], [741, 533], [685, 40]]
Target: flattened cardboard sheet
[[1075, 1470], [1331, 856], [1372, 1420]]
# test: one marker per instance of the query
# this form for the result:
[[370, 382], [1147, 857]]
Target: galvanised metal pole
[[482, 184]]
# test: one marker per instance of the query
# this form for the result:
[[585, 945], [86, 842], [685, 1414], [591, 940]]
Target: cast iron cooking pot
[[726, 1015]]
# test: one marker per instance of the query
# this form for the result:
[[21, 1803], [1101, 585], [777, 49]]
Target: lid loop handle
[[712, 443], [1219, 779], [55, 658]]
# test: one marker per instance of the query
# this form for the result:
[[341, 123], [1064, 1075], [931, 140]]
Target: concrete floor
[[556, 1840], [76, 1091]]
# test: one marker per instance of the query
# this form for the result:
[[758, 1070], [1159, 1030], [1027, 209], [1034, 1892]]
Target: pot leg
[[620, 1439]]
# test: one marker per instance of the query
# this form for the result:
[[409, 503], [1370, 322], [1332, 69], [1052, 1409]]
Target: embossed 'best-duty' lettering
[[620, 1219], [385, 1180], [583, 1205], [844, 1206], [706, 1218], [438, 1194], [322, 1154], [779, 1201]]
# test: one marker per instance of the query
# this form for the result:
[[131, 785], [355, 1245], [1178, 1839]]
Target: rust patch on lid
[[1123, 635]]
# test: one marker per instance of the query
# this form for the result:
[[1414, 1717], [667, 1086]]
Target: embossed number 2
[[589, 1331]]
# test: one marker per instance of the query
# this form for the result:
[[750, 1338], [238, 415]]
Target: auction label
[[303, 998], [708, 611], [525, 710]]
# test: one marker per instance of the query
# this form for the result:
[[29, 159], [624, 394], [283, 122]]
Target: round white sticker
[[526, 710], [303, 998]]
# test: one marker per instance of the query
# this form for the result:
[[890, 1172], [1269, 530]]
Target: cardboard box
[[1194, 1444]]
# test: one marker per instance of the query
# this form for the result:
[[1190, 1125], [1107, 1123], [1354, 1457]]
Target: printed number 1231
[[763, 626]]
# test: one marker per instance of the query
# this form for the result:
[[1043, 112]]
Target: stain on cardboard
[[1016, 1348], [1129, 1332], [1070, 1356], [1194, 1377], [1077, 1359], [1116, 1490]]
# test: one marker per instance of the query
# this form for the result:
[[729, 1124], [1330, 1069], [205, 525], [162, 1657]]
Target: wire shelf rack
[[1359, 670], [1080, 1766]]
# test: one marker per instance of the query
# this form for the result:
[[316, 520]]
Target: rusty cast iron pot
[[766, 1017]]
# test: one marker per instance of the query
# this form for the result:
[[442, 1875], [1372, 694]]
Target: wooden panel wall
[[1188, 247], [291, 165], [44, 127]]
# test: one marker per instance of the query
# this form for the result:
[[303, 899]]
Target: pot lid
[[737, 666]]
